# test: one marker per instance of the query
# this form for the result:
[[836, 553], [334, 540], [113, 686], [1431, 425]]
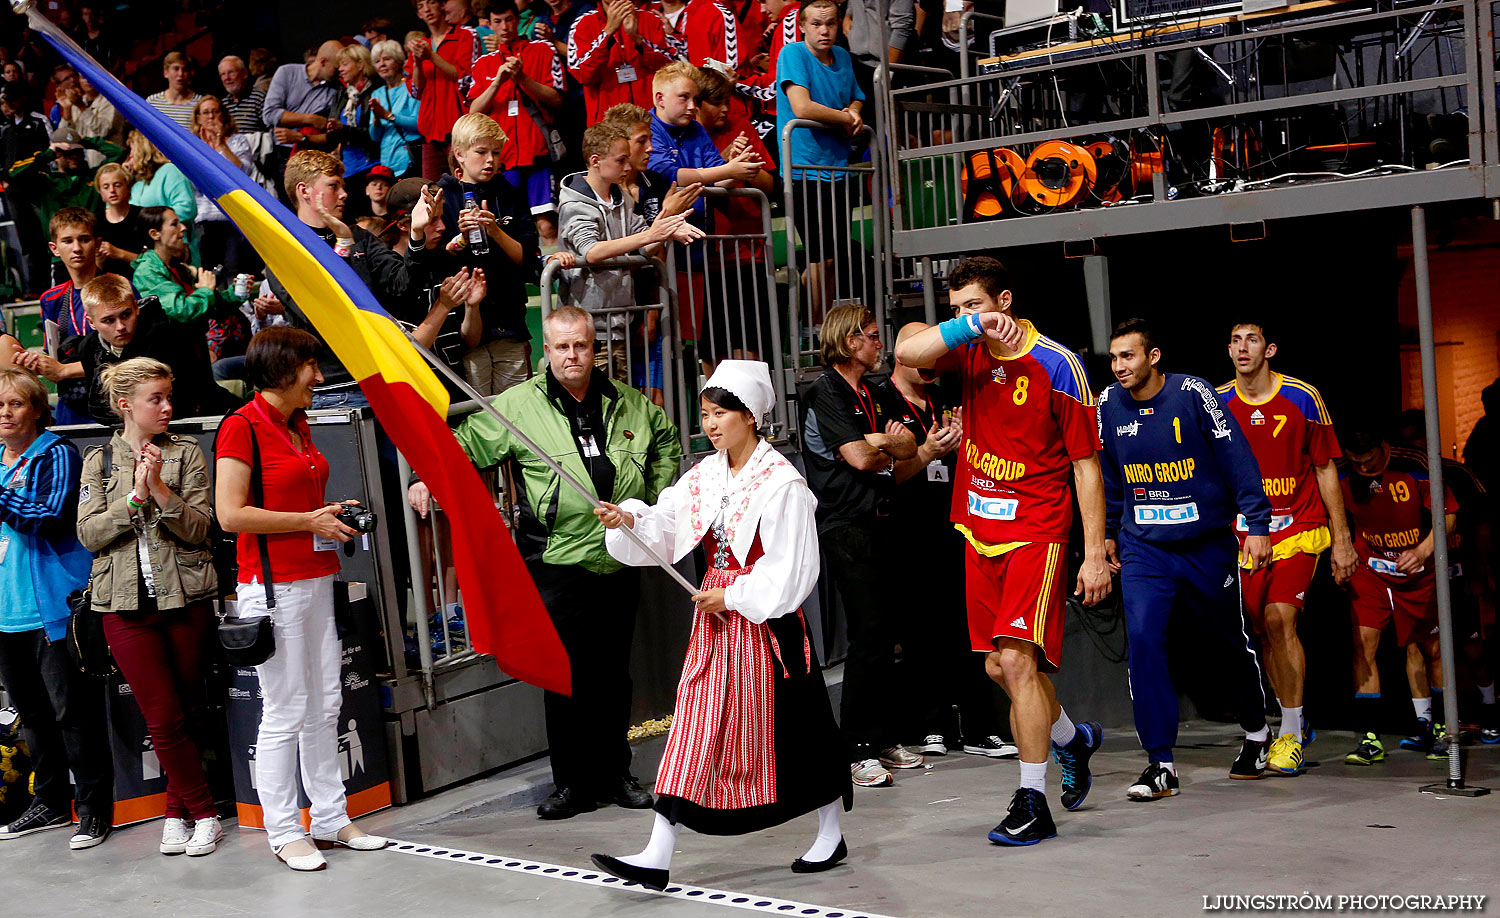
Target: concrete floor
[[917, 849]]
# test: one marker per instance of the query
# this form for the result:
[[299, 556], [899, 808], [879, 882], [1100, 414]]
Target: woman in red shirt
[[300, 682], [438, 66]]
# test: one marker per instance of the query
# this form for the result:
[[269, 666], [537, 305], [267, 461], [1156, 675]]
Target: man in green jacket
[[72, 185], [613, 438]]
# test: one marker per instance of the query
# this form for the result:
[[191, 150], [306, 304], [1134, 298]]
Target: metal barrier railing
[[839, 209], [433, 583], [623, 358], [727, 283]]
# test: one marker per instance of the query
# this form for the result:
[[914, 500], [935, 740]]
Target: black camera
[[358, 518]]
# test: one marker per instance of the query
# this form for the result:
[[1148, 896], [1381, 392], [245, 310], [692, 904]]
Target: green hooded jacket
[[557, 523]]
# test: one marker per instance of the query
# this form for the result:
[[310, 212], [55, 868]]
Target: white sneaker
[[933, 744], [870, 773], [174, 836], [900, 757], [206, 836]]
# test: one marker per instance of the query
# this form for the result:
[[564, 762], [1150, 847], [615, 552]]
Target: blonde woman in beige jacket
[[146, 519]]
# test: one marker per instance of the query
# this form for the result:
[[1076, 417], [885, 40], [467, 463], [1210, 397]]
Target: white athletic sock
[[829, 834], [657, 854], [1259, 736], [1169, 766], [1487, 693], [1062, 728], [1034, 775], [1291, 721], [1423, 707]]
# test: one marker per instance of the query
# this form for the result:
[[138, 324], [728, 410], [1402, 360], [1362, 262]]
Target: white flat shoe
[[303, 862], [357, 843]]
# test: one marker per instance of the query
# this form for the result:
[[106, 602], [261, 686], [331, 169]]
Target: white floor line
[[764, 904]]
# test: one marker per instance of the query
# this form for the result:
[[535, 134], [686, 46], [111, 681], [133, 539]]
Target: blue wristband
[[961, 330]]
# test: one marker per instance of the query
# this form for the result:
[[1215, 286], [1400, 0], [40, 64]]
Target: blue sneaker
[[1074, 761], [1308, 733], [1027, 822]]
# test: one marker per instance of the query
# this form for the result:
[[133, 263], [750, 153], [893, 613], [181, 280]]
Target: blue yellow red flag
[[504, 614]]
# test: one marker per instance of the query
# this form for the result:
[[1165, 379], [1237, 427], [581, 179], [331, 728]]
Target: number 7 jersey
[[1025, 419], [1291, 434]]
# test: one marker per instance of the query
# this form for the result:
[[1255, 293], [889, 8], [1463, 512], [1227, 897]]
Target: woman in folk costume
[[751, 691]]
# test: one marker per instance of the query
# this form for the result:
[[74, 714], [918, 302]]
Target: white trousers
[[301, 695]]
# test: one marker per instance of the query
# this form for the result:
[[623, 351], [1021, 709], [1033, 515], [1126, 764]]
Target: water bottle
[[478, 240]]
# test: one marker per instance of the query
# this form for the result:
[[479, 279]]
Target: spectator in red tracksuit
[[519, 76], [437, 65], [615, 50], [762, 86], [709, 30]]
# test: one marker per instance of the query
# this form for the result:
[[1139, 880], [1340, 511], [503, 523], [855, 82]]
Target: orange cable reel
[[1058, 173]]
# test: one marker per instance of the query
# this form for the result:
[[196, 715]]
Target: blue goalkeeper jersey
[[1177, 466]]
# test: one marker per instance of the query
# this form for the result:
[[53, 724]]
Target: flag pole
[[484, 403]]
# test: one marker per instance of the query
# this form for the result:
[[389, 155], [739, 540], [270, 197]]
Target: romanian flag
[[505, 616]]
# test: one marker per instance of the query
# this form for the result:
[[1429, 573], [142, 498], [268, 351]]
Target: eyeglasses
[[865, 334]]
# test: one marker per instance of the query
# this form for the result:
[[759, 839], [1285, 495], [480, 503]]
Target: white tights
[[657, 855]]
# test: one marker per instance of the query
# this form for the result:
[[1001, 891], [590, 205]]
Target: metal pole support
[[1455, 782]]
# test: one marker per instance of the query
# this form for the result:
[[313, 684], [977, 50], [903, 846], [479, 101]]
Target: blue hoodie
[[40, 502]]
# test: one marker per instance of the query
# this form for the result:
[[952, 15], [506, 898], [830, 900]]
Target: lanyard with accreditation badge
[[936, 470]]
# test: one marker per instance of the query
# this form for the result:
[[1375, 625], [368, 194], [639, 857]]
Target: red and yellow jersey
[[1291, 434], [1392, 513], [1026, 419]]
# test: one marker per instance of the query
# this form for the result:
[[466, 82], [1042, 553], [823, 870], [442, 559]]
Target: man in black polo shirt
[[855, 439], [932, 557]]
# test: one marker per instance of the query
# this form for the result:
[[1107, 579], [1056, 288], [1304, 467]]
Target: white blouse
[[783, 577]]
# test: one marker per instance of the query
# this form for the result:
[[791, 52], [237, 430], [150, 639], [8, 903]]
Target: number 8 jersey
[[1026, 419]]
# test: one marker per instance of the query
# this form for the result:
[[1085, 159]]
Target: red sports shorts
[[1283, 582], [1018, 595], [1375, 600]]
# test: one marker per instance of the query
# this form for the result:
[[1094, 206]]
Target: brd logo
[[1165, 514], [992, 508]]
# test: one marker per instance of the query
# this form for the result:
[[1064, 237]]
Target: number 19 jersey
[[1025, 419]]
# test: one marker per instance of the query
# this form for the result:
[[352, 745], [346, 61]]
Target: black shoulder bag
[[251, 643], [88, 648]]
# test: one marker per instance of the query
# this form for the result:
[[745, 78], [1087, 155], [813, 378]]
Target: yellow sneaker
[[1286, 755]]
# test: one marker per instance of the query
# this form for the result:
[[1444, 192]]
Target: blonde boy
[[507, 252]]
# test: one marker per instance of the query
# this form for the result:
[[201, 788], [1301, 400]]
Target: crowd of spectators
[[705, 79]]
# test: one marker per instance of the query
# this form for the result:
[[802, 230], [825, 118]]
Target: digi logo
[[1165, 514], [992, 508]]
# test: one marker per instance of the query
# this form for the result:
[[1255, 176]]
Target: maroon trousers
[[162, 655]]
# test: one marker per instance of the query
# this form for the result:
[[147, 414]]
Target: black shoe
[[1074, 759], [92, 830], [993, 746], [38, 817], [629, 794], [565, 803], [839, 853], [1251, 762], [1155, 782], [1424, 739], [1028, 821], [649, 877]]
